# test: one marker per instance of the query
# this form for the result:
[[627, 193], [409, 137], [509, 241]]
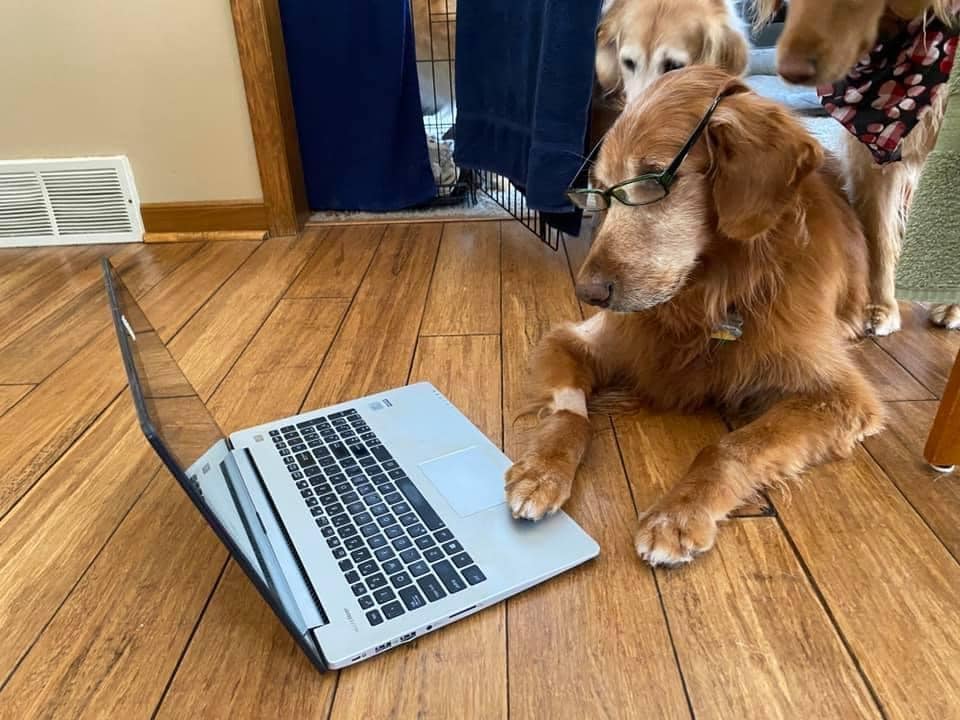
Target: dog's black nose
[[796, 69], [595, 293]]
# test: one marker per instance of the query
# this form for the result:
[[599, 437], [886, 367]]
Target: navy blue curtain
[[353, 76], [524, 85]]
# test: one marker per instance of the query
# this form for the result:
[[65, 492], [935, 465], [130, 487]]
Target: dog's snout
[[797, 69], [595, 292]]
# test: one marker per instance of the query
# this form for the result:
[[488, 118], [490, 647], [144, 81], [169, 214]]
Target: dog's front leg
[[796, 433], [563, 377]]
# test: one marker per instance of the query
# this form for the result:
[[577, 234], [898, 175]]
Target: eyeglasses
[[644, 189]]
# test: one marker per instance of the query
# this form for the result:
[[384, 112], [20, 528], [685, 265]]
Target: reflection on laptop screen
[[182, 431]]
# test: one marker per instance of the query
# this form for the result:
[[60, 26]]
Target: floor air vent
[[66, 202]]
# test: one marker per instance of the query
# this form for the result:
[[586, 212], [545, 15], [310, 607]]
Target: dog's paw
[[537, 487], [674, 535], [882, 319], [946, 316]]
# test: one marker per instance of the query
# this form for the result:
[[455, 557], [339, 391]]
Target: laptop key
[[397, 474], [314, 443], [394, 530], [303, 484], [401, 508], [433, 554], [312, 470], [419, 568], [412, 598], [374, 618], [444, 535], [334, 508], [462, 560], [380, 453], [347, 531], [360, 554], [305, 459], [358, 589], [419, 502], [449, 577], [339, 553], [402, 543], [416, 530], [379, 478], [424, 542], [363, 518], [376, 581], [354, 471], [335, 477], [296, 474], [392, 610], [408, 519], [369, 529], [311, 501], [410, 555], [352, 577], [367, 461], [384, 594], [350, 497], [333, 542], [453, 547], [390, 465], [473, 575], [384, 553], [377, 541], [367, 568], [431, 588], [348, 462], [298, 448], [327, 531], [353, 441], [386, 521], [391, 567], [368, 436], [284, 453], [327, 462], [342, 487], [315, 511], [355, 507], [340, 520], [353, 543], [364, 488], [339, 450], [287, 429], [319, 486], [345, 564], [274, 433], [393, 498], [308, 492], [378, 509]]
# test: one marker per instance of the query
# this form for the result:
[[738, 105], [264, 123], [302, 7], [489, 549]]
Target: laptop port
[[461, 612], [383, 646], [406, 638]]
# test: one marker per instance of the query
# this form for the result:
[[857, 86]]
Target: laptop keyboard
[[392, 547]]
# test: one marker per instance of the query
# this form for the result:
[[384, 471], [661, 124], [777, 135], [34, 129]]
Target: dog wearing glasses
[[731, 271]]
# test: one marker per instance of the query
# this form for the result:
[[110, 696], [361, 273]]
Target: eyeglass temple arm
[[691, 141]]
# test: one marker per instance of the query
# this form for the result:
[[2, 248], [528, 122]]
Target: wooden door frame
[[263, 61]]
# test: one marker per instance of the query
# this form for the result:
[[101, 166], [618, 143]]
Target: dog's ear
[[727, 48], [608, 60], [759, 156]]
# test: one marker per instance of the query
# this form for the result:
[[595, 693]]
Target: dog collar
[[886, 94], [730, 329]]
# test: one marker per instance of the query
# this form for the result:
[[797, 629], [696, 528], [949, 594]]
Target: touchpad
[[471, 480]]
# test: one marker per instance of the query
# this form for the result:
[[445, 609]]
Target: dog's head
[[640, 40], [823, 39], [738, 180]]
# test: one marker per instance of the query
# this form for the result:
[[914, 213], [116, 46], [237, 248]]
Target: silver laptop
[[364, 524]]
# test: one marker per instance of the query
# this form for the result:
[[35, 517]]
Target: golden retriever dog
[[821, 42], [754, 232], [640, 40]]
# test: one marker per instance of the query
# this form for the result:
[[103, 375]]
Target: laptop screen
[[191, 444]]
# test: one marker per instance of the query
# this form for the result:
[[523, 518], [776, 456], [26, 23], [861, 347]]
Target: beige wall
[[157, 80]]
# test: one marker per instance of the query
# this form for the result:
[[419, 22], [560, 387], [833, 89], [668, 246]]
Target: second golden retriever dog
[[735, 278], [891, 56], [640, 40]]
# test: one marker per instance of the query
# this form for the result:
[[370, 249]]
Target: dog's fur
[[834, 35], [757, 221], [640, 40]]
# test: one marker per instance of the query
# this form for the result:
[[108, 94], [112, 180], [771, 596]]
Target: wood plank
[[899, 451], [889, 582], [238, 629], [426, 678], [26, 308], [47, 541], [30, 264], [658, 449], [243, 663], [273, 375], [36, 431], [943, 443], [114, 643], [375, 345], [558, 667], [10, 395], [204, 216], [340, 262], [173, 302], [465, 293], [234, 314], [752, 638], [926, 351], [890, 378], [47, 345]]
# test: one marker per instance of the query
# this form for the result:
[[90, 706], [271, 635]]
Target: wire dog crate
[[435, 25]]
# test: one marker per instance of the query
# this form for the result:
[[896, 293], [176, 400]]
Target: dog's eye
[[671, 65], [629, 64]]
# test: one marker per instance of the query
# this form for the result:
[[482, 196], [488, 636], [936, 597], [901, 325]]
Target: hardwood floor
[[841, 599]]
